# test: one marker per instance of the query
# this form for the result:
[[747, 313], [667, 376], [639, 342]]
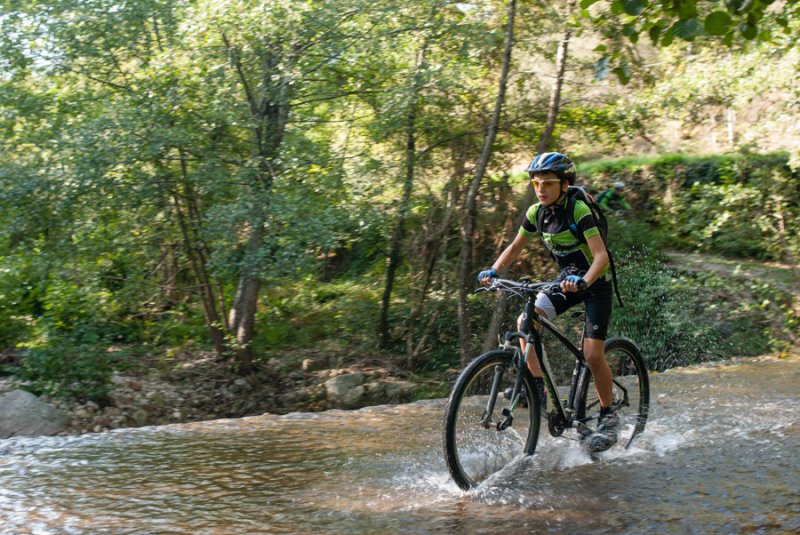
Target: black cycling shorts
[[597, 300]]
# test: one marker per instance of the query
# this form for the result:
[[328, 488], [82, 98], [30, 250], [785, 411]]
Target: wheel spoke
[[474, 446], [630, 390]]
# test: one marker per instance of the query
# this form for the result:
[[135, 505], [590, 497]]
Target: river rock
[[356, 390], [140, 417], [382, 392], [346, 391], [23, 414]]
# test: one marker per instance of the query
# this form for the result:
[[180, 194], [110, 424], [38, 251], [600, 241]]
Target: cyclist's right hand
[[485, 275]]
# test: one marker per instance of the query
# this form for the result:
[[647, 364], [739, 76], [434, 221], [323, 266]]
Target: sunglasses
[[539, 183]]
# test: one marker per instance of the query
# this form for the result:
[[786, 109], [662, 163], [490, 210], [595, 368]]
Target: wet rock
[[23, 414], [82, 413], [240, 386], [346, 391], [314, 364], [356, 390], [299, 399], [397, 391], [382, 392]]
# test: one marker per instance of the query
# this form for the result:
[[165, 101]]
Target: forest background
[[253, 183]]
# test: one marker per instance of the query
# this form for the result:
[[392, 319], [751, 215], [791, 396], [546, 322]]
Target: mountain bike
[[494, 411]]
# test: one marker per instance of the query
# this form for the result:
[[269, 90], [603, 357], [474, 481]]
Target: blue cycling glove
[[487, 274], [577, 280]]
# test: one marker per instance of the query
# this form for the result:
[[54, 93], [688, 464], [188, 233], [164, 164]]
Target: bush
[[735, 205], [77, 366], [684, 318]]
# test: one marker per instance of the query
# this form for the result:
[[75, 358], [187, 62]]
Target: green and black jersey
[[569, 251]]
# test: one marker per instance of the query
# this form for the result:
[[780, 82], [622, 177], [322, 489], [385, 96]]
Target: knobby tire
[[629, 375], [472, 451]]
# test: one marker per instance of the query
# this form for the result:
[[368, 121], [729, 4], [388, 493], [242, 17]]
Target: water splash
[[718, 454]]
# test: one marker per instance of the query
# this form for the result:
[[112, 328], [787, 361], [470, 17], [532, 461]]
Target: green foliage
[[735, 205], [734, 22], [679, 319], [153, 150], [76, 366], [302, 313]]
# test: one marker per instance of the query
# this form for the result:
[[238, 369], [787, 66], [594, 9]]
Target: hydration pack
[[575, 194]]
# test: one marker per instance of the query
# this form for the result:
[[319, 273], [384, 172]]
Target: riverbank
[[197, 387]]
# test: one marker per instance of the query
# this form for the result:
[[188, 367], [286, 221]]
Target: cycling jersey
[[574, 258], [611, 200], [570, 252]]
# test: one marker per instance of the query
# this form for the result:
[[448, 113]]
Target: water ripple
[[718, 456]]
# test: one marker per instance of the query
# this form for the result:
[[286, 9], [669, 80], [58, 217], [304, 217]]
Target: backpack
[[575, 194]]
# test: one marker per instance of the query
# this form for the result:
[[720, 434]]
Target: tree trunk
[[395, 249], [243, 311], [468, 229], [269, 111], [169, 269], [435, 242], [498, 314], [185, 205]]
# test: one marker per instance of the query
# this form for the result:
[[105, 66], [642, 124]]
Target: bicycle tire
[[629, 375], [473, 452]]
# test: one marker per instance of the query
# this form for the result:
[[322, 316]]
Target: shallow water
[[718, 456]]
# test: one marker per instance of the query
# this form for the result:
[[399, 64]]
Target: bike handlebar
[[519, 287]]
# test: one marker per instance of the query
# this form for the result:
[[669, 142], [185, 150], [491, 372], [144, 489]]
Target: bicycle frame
[[533, 338]]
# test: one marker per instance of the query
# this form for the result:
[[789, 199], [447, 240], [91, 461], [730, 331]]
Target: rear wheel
[[630, 391], [476, 445]]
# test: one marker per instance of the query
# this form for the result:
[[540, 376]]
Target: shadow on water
[[718, 456]]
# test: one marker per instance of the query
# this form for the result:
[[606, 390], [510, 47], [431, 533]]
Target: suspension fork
[[486, 421]]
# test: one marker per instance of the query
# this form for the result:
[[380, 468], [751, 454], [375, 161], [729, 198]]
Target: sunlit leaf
[[749, 31], [623, 73], [655, 32], [686, 29], [601, 68], [633, 7], [738, 5], [631, 34], [688, 10], [717, 23]]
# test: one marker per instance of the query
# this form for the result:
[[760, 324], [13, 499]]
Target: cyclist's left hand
[[573, 283]]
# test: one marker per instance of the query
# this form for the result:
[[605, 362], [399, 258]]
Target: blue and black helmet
[[554, 162]]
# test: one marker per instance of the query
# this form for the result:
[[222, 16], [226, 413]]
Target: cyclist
[[579, 260], [612, 199]]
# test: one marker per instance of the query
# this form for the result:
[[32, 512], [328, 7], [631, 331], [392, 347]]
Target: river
[[719, 455]]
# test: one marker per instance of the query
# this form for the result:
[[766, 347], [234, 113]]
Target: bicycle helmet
[[619, 185], [554, 162]]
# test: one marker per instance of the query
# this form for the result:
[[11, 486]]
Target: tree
[[545, 139], [470, 208], [623, 22]]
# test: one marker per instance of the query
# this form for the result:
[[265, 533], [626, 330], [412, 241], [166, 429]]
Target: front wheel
[[630, 390], [476, 442]]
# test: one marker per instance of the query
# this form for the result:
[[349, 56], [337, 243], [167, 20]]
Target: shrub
[[77, 366], [684, 318]]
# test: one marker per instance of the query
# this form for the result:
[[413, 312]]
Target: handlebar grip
[[581, 284]]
